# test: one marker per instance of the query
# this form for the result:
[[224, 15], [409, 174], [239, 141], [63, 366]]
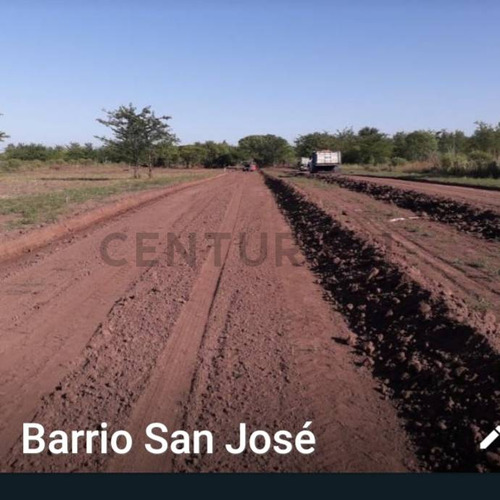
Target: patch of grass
[[46, 207], [481, 305], [476, 264]]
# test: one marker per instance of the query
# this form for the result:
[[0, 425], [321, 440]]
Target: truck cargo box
[[325, 160]]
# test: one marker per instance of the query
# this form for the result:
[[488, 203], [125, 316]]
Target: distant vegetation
[[142, 138], [3, 135], [442, 152]]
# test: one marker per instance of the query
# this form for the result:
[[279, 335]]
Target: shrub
[[485, 170], [476, 164], [447, 160], [10, 165], [481, 158], [397, 161], [482, 164], [37, 164], [454, 164]]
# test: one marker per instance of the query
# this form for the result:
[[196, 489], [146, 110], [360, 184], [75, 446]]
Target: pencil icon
[[485, 443]]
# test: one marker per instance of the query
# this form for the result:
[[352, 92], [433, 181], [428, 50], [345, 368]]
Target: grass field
[[43, 195]]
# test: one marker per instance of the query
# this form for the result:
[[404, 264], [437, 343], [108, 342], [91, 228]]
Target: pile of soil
[[465, 217], [442, 375]]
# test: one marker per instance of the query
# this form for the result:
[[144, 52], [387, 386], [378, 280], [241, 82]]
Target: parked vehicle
[[249, 167], [304, 164], [325, 160]]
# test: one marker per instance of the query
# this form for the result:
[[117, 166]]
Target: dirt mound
[[465, 217], [443, 375]]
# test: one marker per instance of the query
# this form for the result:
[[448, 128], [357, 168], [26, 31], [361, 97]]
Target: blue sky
[[225, 69]]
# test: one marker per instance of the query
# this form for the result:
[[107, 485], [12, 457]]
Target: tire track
[[268, 359], [170, 384], [102, 380]]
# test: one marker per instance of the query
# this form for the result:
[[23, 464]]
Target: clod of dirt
[[347, 339]]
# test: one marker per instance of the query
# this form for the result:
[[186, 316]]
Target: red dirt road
[[203, 345]]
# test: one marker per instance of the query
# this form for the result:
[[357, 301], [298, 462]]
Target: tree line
[[139, 137], [451, 152], [371, 146]]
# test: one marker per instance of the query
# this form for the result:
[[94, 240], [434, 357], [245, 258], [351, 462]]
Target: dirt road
[[481, 197], [196, 343], [465, 214]]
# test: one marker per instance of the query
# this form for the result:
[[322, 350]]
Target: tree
[[74, 151], [266, 150], [452, 142], [420, 145], [3, 135], [399, 145], [166, 154], [136, 134], [108, 154], [30, 152], [348, 144], [415, 146], [306, 145], [486, 138], [374, 146], [191, 155], [218, 154]]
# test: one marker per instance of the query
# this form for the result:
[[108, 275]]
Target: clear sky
[[225, 69]]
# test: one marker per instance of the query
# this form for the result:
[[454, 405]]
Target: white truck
[[304, 164], [325, 160]]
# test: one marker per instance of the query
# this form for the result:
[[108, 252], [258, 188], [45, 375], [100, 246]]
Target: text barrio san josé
[[160, 441]]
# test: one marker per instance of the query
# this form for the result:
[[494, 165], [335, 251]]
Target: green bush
[[482, 164], [447, 161], [454, 164], [481, 157], [10, 165], [476, 164], [397, 161]]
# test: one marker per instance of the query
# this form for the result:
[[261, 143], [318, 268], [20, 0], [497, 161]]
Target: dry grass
[[44, 194]]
